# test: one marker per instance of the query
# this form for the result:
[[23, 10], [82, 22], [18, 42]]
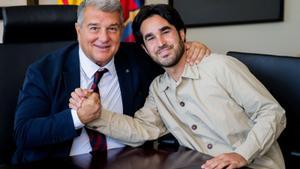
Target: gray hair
[[103, 5]]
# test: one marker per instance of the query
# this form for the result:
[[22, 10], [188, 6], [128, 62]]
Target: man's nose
[[161, 41], [103, 36]]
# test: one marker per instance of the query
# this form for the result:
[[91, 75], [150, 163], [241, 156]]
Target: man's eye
[[166, 31], [113, 29], [93, 29], [149, 38]]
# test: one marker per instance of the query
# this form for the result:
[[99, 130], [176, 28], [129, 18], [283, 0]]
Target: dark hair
[[165, 11]]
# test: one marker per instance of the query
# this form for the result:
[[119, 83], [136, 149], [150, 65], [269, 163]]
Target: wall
[[280, 38], [12, 2]]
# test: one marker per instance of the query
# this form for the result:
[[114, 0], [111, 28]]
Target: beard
[[174, 60]]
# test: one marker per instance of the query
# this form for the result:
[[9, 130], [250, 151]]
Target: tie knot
[[97, 76]]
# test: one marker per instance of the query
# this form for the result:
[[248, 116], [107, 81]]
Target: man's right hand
[[90, 109], [77, 97], [86, 103]]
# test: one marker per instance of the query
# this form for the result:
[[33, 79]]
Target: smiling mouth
[[164, 54], [102, 47], [164, 50]]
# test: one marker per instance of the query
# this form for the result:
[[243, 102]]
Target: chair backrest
[[39, 23], [1, 13], [14, 60], [281, 76]]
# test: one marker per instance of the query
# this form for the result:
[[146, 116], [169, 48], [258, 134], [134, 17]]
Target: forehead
[[153, 24], [93, 15]]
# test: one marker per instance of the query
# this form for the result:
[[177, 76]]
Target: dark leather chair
[[281, 76], [39, 23], [1, 13], [15, 59]]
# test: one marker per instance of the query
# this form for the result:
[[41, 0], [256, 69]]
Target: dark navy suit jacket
[[43, 123]]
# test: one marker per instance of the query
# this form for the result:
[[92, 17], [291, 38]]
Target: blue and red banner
[[130, 9]]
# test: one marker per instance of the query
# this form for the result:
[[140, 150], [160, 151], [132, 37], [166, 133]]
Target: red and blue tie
[[97, 140]]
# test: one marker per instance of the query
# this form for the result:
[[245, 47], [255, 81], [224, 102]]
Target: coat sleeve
[[267, 115], [35, 122]]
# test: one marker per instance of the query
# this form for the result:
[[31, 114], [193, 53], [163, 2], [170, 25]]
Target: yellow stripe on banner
[[132, 14], [69, 2]]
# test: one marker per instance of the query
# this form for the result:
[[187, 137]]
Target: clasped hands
[[87, 104]]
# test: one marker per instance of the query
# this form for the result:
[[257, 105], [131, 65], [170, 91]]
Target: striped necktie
[[97, 140]]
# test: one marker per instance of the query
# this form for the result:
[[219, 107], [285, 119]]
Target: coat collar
[[190, 72]]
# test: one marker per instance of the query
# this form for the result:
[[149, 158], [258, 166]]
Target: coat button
[[182, 104], [209, 146], [194, 126]]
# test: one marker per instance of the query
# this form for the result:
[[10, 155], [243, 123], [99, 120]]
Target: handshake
[[87, 104]]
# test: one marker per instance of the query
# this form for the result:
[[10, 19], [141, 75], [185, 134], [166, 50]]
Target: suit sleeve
[[35, 124]]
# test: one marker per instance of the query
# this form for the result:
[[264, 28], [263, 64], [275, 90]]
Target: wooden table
[[125, 158]]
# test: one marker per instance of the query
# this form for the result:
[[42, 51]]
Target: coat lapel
[[125, 74], [71, 73]]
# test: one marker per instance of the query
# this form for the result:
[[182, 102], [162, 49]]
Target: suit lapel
[[71, 73], [125, 72]]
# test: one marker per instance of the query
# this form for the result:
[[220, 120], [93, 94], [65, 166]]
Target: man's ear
[[77, 28], [182, 35], [122, 28], [145, 49]]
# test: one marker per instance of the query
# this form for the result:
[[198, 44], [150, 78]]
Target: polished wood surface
[[126, 158]]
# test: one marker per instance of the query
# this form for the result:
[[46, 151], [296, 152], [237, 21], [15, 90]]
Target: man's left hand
[[196, 51], [226, 160]]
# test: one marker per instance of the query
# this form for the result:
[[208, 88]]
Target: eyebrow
[[148, 35], [114, 24], [92, 24], [165, 28], [161, 30]]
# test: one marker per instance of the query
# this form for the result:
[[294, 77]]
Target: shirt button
[[182, 104], [194, 126], [209, 146]]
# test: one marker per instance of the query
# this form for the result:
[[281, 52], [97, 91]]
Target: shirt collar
[[89, 67], [189, 72]]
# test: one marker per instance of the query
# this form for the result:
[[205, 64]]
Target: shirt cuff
[[248, 152], [76, 120]]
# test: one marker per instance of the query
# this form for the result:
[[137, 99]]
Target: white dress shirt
[[111, 99]]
